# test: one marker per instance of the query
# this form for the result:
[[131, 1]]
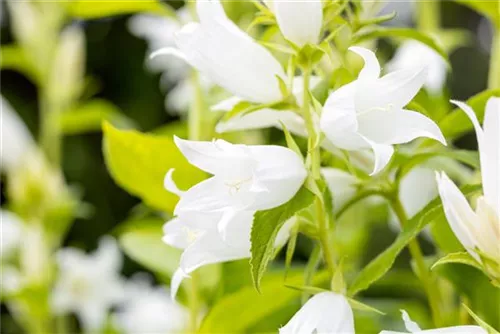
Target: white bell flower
[[11, 230], [300, 21], [326, 312], [369, 112], [413, 327], [414, 53], [228, 56], [17, 141], [245, 177], [480, 229], [88, 285], [149, 309], [197, 233]]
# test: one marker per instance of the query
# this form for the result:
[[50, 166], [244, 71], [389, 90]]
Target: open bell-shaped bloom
[[413, 327], [413, 53], [17, 141], [479, 230], [326, 312], [369, 112], [228, 56], [256, 177], [88, 285], [299, 21]]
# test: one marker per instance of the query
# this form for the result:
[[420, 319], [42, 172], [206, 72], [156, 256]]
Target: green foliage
[[142, 241], [460, 257], [384, 261], [406, 33], [91, 10], [266, 225], [490, 9], [13, 58], [89, 117], [138, 162], [456, 123], [248, 308], [481, 322]]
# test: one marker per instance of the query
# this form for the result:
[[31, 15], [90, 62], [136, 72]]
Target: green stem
[[196, 120], [315, 164], [423, 272], [50, 130], [428, 15], [494, 73], [194, 305]]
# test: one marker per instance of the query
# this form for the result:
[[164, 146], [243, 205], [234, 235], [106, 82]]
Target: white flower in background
[[254, 177], [342, 185], [414, 53], [326, 312], [266, 117], [17, 141], [149, 309], [88, 285], [412, 327], [369, 112], [160, 32], [480, 229], [228, 56], [11, 229], [404, 10], [198, 234], [299, 21]]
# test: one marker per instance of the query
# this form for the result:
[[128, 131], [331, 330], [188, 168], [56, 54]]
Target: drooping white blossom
[[326, 312], [480, 229], [414, 53], [149, 309], [300, 22], [198, 234], [413, 327], [88, 284], [17, 141], [369, 112], [11, 230], [245, 177], [228, 56]]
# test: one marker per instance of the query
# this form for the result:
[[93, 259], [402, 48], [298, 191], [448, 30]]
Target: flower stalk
[[494, 72], [423, 272], [428, 15]]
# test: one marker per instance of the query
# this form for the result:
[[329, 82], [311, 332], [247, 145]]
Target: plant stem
[[193, 303], [50, 130], [315, 164], [422, 271], [494, 73], [428, 15], [195, 116]]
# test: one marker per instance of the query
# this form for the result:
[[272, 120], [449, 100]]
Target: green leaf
[[357, 305], [456, 123], [384, 261], [490, 9], [290, 142], [249, 308], [13, 58], [92, 10], [480, 321], [142, 241], [138, 162], [460, 257], [406, 33], [266, 225], [89, 117]]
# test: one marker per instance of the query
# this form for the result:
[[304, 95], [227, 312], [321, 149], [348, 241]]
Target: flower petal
[[371, 70], [458, 212], [391, 92], [490, 153], [342, 185], [326, 312], [299, 21], [411, 326], [339, 120], [227, 104], [397, 127], [231, 59], [170, 184]]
